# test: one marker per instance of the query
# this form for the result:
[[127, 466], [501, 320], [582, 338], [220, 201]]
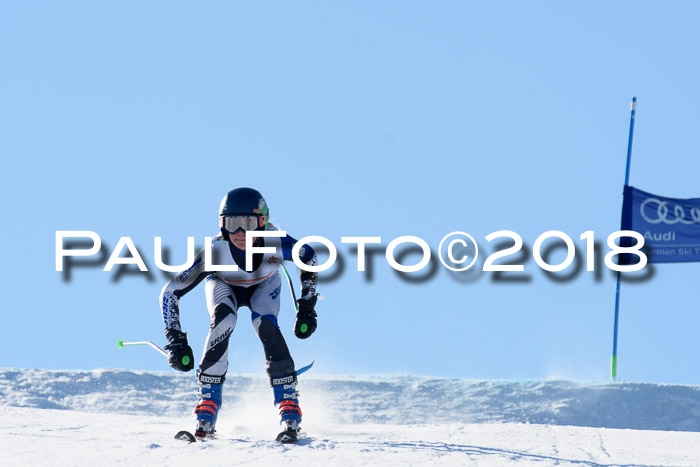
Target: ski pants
[[263, 300]]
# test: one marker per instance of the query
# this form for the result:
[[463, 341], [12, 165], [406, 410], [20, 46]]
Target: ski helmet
[[243, 208]]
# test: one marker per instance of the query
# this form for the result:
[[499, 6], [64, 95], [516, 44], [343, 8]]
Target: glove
[[306, 317], [181, 357]]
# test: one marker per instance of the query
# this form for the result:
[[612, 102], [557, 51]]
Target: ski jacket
[[223, 253]]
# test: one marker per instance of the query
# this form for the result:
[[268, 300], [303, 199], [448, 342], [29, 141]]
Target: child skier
[[242, 210]]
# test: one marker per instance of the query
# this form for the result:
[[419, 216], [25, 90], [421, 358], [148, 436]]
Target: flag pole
[[613, 369]]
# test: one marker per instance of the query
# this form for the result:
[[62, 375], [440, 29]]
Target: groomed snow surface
[[118, 417]]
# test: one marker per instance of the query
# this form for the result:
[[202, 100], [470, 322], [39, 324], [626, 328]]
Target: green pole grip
[[186, 360], [614, 367], [120, 343], [303, 328]]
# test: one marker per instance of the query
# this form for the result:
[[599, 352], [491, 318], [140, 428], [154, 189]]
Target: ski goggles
[[233, 223]]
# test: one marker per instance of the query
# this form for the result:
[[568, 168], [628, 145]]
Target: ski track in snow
[[111, 417]]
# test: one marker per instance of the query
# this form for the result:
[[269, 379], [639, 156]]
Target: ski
[[306, 368], [288, 437], [291, 436], [285, 437], [185, 436]]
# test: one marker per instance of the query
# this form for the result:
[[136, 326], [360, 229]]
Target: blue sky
[[353, 119]]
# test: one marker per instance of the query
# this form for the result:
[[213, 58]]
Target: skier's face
[[238, 239]]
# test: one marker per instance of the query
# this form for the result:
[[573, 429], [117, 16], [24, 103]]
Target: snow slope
[[111, 417]]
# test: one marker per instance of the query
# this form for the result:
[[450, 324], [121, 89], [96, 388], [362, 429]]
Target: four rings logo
[[662, 212]]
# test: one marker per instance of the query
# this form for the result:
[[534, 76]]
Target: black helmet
[[244, 204]]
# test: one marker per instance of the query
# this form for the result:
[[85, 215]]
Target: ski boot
[[287, 401], [207, 408]]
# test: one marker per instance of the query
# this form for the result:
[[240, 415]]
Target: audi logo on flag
[[666, 214]]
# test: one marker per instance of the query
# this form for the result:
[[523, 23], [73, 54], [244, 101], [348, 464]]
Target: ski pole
[[291, 288], [121, 344]]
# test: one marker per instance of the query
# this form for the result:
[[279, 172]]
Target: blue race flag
[[670, 226]]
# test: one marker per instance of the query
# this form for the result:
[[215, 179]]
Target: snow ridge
[[395, 400]]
